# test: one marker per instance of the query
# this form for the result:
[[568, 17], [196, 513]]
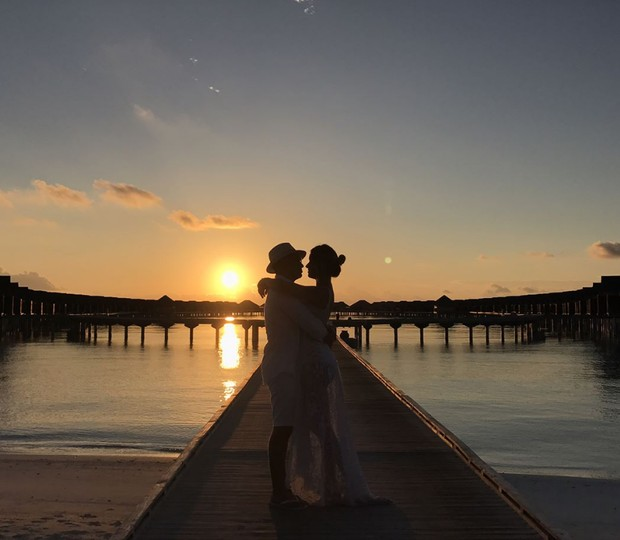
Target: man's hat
[[280, 251]]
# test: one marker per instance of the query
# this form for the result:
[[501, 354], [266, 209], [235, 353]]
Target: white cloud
[[605, 250], [43, 194], [190, 222], [540, 255], [33, 222], [126, 194], [34, 281], [4, 200], [496, 289], [178, 129], [61, 195], [530, 290]]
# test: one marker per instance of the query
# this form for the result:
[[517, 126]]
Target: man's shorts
[[282, 389]]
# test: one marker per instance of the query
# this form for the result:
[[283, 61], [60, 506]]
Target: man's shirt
[[285, 319]]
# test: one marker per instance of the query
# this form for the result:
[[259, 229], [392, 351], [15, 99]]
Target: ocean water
[[549, 408]]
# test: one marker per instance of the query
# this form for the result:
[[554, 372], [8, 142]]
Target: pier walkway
[[219, 487]]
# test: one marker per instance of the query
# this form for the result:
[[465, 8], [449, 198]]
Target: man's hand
[[331, 335], [263, 286]]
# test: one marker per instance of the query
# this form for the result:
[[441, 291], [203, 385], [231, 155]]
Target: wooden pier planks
[[220, 488]]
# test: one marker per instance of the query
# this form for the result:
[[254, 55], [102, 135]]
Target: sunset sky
[[464, 147]]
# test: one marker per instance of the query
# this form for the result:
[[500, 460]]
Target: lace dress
[[324, 468]]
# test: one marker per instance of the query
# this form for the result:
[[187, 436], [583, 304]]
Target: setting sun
[[230, 279]]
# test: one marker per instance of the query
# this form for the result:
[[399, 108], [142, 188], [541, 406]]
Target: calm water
[[546, 408]]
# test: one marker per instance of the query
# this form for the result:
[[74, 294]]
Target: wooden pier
[[219, 487]]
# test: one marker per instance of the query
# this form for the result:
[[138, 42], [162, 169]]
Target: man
[[285, 319]]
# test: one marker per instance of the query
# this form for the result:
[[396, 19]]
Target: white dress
[[324, 468]]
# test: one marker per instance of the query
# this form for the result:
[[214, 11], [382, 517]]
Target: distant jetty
[[587, 313]]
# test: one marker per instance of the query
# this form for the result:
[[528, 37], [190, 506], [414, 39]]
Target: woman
[[324, 468]]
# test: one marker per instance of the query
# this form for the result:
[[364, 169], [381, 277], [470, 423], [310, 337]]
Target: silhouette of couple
[[312, 459]]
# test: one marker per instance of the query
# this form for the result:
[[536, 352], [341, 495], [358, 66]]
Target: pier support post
[[255, 336], [191, 326], [503, 332], [421, 326], [471, 326], [95, 334], [446, 326], [246, 327], [109, 334], [367, 327], [486, 334], [126, 334], [142, 327], [395, 326], [516, 333], [217, 325]]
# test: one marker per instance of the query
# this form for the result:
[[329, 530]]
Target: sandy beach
[[585, 508], [80, 497], [72, 497]]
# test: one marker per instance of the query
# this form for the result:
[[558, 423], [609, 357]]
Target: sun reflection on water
[[229, 347], [229, 389]]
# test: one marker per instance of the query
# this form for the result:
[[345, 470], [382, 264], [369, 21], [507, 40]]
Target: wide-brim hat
[[281, 251]]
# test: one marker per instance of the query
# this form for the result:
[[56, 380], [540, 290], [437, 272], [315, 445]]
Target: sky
[[459, 147]]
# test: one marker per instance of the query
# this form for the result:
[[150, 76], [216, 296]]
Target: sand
[[72, 497], [585, 508], [80, 497]]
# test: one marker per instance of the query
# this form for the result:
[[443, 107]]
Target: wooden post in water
[[367, 326], [516, 333], [395, 326], [191, 326], [421, 326], [142, 327], [217, 325], [503, 334], [446, 326], [109, 334], [255, 335], [95, 334], [486, 333], [470, 326], [126, 334], [246, 327]]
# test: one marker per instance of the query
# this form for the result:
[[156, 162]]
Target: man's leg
[[278, 446]]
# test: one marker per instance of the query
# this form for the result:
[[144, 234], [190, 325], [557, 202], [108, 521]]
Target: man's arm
[[302, 316], [308, 294]]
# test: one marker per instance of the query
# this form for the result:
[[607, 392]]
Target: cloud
[[179, 129], [605, 250], [4, 200], [33, 222], [60, 195], [498, 289], [529, 290], [487, 258], [33, 280], [190, 222], [44, 193], [540, 255], [126, 194], [147, 116]]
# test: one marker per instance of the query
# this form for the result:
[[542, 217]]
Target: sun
[[230, 279]]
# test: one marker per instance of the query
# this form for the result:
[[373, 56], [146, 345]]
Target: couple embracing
[[312, 459]]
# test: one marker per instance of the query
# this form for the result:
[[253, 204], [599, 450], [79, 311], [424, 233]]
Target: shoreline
[[73, 497], [91, 496]]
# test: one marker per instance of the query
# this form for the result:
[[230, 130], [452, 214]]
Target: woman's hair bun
[[341, 259]]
